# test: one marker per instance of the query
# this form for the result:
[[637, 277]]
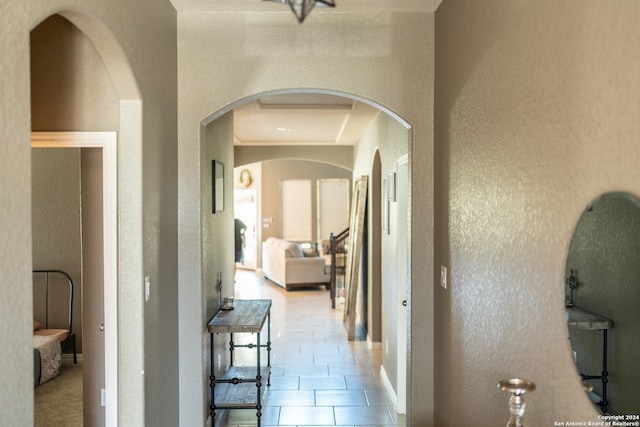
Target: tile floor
[[318, 377]]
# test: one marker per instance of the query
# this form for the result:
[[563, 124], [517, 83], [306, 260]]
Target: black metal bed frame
[[70, 342]]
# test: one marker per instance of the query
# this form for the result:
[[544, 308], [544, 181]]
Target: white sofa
[[285, 263]]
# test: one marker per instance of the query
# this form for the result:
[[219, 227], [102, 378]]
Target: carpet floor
[[59, 402]]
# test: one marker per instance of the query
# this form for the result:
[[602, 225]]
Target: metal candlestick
[[219, 288], [572, 282], [517, 388]]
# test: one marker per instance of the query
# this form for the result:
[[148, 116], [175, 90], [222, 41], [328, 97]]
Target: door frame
[[254, 248], [403, 259], [107, 141]]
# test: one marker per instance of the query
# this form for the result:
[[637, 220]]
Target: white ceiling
[[304, 118]]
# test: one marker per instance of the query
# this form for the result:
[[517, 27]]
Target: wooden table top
[[248, 315], [578, 318]]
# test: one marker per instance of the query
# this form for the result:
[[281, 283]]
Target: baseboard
[[69, 356], [389, 387]]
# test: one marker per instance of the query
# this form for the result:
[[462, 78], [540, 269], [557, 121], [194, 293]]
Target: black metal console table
[[582, 319], [242, 387]]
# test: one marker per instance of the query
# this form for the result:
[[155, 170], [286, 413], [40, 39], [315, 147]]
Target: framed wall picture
[[385, 206], [217, 186], [245, 178]]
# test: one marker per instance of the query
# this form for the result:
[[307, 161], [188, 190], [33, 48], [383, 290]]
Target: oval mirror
[[603, 301]]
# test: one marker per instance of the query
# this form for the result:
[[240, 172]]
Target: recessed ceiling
[[302, 119]]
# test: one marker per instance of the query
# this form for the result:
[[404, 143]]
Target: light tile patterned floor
[[319, 378]]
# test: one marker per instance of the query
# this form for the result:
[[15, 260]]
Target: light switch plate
[[147, 288], [443, 276]]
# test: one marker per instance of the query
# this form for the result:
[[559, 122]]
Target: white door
[[402, 186], [246, 209], [92, 286]]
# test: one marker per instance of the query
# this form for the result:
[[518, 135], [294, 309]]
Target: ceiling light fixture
[[302, 8]]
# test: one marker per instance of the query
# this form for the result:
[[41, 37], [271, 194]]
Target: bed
[[53, 315]]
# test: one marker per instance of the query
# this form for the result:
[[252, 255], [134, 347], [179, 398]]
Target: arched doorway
[[263, 196], [216, 141]]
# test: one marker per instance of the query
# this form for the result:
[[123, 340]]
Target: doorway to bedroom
[[74, 230]]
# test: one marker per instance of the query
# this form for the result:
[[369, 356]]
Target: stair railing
[[338, 249]]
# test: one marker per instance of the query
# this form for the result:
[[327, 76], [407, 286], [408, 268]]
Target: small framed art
[[385, 205], [217, 186]]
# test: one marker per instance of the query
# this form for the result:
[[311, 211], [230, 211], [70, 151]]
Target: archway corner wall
[[396, 72], [145, 137]]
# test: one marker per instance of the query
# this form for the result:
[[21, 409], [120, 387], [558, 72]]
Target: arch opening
[[379, 164], [113, 102]]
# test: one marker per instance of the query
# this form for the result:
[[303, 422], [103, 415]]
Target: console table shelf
[[578, 318], [242, 386], [242, 395], [582, 319]]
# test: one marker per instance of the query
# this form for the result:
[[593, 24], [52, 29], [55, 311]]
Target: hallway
[[318, 377]]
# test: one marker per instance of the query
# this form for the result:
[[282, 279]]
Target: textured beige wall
[[381, 56], [391, 139], [217, 243], [68, 75], [142, 67], [537, 107], [56, 226]]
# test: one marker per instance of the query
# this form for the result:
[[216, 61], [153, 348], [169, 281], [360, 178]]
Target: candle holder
[[219, 288], [227, 303], [517, 387]]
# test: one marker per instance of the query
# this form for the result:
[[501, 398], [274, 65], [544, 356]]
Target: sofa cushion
[[310, 252], [294, 251]]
